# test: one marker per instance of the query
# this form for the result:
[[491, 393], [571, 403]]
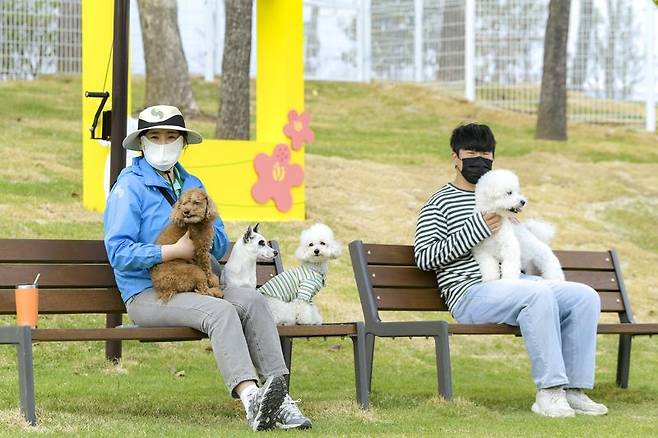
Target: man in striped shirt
[[558, 319]]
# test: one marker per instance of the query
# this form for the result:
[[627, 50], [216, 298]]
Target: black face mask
[[473, 168]]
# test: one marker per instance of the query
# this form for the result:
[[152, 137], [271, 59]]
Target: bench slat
[[61, 251], [412, 277], [89, 298], [637, 328], [132, 333], [402, 255], [87, 276], [53, 301], [599, 280], [409, 299], [50, 250], [178, 333], [611, 302], [428, 299], [53, 276], [502, 329]]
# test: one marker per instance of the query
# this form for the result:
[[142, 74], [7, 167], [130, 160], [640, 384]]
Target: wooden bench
[[76, 278], [389, 280]]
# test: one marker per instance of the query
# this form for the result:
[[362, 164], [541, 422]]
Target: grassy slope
[[385, 146]]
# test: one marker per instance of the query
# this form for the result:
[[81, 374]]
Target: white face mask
[[162, 156]]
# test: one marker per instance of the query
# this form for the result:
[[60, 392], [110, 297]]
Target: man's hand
[[494, 221], [182, 249]]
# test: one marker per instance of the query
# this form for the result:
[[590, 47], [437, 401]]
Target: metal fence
[[490, 51], [39, 36]]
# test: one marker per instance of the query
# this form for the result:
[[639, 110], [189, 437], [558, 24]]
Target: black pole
[[118, 132], [119, 87]]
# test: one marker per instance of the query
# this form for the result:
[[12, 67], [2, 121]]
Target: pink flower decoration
[[275, 177], [298, 129]]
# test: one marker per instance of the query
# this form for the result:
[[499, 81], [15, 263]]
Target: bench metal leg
[[26, 375], [113, 348], [443, 371], [360, 375], [370, 351], [624, 360], [286, 348], [21, 337]]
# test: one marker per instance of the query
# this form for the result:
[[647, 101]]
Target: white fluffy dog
[[290, 294], [515, 245], [240, 268]]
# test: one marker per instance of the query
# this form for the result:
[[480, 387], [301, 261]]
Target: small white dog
[[240, 268], [515, 245], [290, 294]]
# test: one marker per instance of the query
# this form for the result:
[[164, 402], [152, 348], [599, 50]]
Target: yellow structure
[[225, 167]]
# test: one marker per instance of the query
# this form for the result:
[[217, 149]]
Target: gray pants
[[241, 329]]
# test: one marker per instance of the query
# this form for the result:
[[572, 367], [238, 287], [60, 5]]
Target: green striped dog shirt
[[302, 282]]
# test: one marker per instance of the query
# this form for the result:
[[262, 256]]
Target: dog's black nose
[[276, 253], [317, 251], [186, 211], [522, 202]]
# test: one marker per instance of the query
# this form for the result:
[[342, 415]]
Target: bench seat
[[389, 280], [164, 334], [76, 278]]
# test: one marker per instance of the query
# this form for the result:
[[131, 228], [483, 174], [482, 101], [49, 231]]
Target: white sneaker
[[290, 417], [265, 403], [552, 402], [582, 404]]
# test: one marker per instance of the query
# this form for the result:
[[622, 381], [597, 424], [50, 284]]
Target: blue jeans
[[557, 319]]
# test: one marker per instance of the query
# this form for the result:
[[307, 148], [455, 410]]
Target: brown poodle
[[193, 212]]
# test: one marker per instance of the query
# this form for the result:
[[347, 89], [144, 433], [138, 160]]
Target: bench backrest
[[388, 279], [76, 276]]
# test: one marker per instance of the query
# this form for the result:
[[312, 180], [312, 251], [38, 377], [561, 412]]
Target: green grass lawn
[[380, 151]]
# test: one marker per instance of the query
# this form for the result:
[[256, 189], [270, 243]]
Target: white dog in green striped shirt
[[290, 294]]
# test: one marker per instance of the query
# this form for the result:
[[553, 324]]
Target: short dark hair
[[473, 137]]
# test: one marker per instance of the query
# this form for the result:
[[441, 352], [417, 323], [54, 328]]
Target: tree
[[233, 122], [167, 75], [552, 114]]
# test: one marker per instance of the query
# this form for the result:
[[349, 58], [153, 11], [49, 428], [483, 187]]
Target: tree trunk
[[233, 122], [167, 75], [580, 62], [552, 115], [451, 50]]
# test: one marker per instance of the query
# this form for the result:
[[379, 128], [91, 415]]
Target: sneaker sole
[[273, 397], [301, 426], [592, 413], [536, 410]]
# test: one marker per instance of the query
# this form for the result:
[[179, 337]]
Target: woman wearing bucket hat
[[242, 332]]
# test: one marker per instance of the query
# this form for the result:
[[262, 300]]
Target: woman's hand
[[182, 249]]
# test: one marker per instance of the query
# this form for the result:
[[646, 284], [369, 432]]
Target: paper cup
[[27, 304]]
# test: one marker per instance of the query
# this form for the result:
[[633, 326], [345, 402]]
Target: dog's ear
[[300, 252], [247, 235], [256, 227], [336, 249], [212, 213], [177, 215]]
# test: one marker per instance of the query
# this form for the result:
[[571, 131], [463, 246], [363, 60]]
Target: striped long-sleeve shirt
[[302, 282], [447, 229]]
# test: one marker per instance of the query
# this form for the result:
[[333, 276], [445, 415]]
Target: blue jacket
[[135, 214]]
